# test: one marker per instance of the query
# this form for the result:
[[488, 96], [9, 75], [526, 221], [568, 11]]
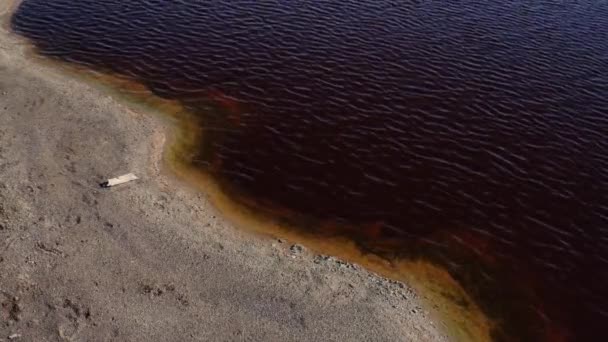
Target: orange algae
[[453, 307]]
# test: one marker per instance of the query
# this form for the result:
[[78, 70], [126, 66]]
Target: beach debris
[[118, 180], [14, 336]]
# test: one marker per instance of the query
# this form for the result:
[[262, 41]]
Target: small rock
[[320, 258], [15, 311], [147, 289], [342, 263], [296, 249], [280, 240]]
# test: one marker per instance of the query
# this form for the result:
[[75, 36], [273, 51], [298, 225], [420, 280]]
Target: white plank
[[119, 180]]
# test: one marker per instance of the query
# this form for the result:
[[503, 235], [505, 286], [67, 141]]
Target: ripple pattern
[[477, 126]]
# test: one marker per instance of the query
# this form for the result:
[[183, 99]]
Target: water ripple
[[476, 126]]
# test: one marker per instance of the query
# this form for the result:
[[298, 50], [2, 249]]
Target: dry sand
[[152, 260]]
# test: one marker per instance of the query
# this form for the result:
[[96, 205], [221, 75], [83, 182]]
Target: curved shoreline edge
[[172, 209]]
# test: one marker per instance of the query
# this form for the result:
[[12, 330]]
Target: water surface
[[470, 133]]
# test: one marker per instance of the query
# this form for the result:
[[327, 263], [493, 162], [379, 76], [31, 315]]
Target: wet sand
[[153, 259]]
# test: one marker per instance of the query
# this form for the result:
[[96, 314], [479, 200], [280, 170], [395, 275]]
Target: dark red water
[[470, 133]]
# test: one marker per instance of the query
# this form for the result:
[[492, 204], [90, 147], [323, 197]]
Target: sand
[[152, 260]]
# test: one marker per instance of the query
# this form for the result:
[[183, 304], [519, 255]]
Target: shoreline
[[285, 278]]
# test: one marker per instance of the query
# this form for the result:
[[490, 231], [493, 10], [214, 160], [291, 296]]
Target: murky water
[[470, 133]]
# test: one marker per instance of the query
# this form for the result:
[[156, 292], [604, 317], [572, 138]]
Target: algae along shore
[[156, 260]]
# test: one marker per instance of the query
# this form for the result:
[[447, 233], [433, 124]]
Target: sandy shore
[[152, 260]]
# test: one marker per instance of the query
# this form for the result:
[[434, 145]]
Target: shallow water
[[473, 133]]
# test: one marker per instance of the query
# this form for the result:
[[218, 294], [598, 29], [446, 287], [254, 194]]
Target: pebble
[[296, 248]]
